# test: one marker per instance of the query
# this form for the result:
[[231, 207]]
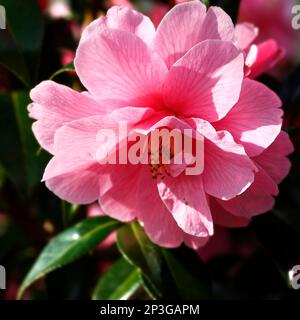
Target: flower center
[[161, 151]]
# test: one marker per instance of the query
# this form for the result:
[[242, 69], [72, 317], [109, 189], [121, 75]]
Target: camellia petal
[[257, 199], [184, 196], [122, 18], [54, 105], [255, 121], [193, 25], [119, 64], [205, 83]]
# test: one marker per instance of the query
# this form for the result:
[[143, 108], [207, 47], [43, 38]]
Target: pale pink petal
[[54, 105], [257, 199], [94, 210], [228, 171], [157, 220], [217, 25], [78, 187], [255, 121], [192, 26], [184, 196], [122, 18], [206, 82], [77, 143], [250, 59], [161, 120], [179, 31], [274, 159], [268, 55], [223, 218], [74, 161], [119, 188], [118, 65], [76, 148], [244, 35]]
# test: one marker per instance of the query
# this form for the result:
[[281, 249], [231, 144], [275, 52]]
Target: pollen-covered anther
[[157, 161]]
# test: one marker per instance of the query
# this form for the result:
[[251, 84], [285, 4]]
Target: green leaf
[[136, 248], [20, 43], [66, 68], [189, 274], [142, 253], [166, 274], [68, 246], [69, 212], [121, 282]]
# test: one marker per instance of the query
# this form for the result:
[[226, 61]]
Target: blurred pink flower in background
[[259, 58], [3, 217], [275, 33], [124, 3], [193, 79], [223, 243], [67, 56], [94, 210], [220, 244], [58, 9], [11, 290], [157, 12]]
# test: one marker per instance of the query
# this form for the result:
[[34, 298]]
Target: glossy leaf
[[166, 273], [142, 253], [68, 246], [121, 282]]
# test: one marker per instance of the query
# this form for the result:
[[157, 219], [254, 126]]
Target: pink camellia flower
[[187, 74], [260, 57], [274, 38]]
